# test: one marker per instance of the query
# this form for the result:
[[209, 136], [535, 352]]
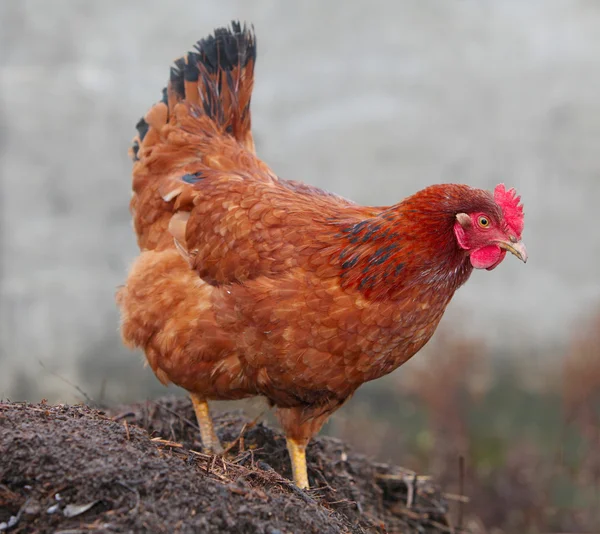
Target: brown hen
[[249, 285]]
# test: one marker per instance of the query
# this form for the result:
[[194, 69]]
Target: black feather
[[348, 264], [176, 79], [228, 48], [192, 178], [190, 70], [180, 64], [136, 148], [142, 128]]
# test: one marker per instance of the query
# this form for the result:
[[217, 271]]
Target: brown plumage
[[252, 285]]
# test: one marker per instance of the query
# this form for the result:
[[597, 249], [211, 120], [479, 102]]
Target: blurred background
[[373, 100]]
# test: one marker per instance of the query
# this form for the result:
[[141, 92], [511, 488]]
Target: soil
[[73, 469]]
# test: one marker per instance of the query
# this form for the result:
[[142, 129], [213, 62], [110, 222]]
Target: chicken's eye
[[484, 222]]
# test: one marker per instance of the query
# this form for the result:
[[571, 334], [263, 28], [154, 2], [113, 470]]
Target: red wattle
[[487, 257]]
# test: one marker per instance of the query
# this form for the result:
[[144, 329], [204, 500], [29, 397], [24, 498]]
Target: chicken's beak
[[517, 248]]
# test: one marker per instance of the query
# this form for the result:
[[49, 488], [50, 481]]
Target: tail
[[201, 123], [215, 80]]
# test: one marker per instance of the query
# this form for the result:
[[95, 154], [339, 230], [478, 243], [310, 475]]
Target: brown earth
[[73, 469]]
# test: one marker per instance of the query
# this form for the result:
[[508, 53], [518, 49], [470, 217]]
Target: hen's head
[[486, 236]]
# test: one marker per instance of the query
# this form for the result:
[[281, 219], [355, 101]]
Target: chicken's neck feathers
[[406, 246]]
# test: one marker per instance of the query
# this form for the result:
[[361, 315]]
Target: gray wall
[[374, 100]]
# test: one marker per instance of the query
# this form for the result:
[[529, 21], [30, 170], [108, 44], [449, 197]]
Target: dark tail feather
[[215, 80]]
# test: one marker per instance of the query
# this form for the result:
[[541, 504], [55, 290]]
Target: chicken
[[251, 285]]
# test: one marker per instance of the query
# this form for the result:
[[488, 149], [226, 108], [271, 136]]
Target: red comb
[[512, 209]]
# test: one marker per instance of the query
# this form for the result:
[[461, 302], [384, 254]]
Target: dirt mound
[[75, 469]]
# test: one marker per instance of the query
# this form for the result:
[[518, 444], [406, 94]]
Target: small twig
[[123, 415], [202, 454], [236, 440], [461, 488], [295, 489], [238, 491], [184, 419], [240, 438], [342, 501], [456, 497], [324, 487], [443, 528], [403, 477], [210, 465], [224, 465], [410, 492], [242, 458], [401, 510], [127, 430], [75, 386], [167, 443]]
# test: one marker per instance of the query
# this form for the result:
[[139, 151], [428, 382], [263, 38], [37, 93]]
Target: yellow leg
[[298, 459], [210, 441]]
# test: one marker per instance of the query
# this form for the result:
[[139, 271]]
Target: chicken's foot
[[297, 453], [210, 441]]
